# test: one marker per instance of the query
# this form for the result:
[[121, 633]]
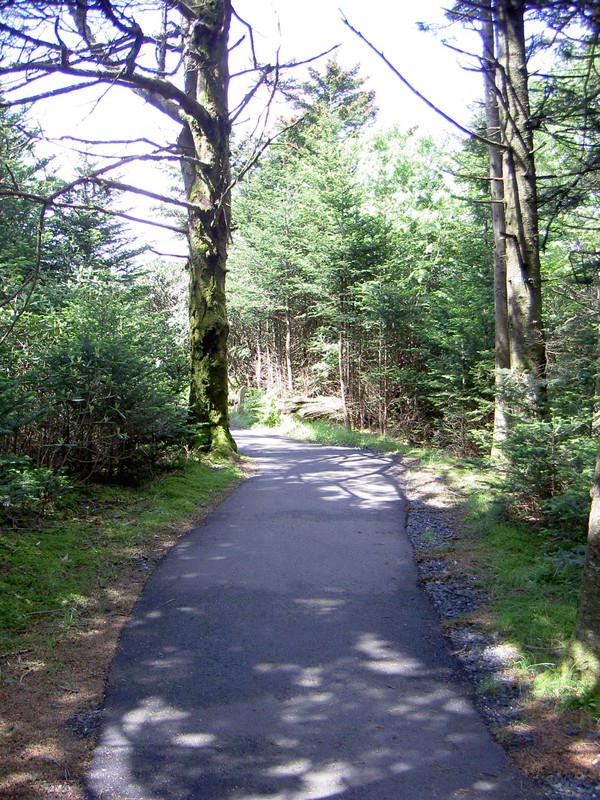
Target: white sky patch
[[297, 31]]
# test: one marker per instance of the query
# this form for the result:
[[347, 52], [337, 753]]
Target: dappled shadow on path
[[288, 655]]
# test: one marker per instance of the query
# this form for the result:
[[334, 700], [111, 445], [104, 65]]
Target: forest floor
[[51, 698]]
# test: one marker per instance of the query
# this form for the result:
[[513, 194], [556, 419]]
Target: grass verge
[[320, 432], [52, 567], [326, 433], [67, 585], [533, 584]]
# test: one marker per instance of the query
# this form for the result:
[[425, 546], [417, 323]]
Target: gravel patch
[[85, 722], [453, 592], [484, 658], [562, 787]]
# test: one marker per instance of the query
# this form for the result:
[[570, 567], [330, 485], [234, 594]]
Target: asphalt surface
[[283, 651]]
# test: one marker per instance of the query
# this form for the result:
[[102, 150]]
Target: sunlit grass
[[533, 582], [51, 567], [327, 433]]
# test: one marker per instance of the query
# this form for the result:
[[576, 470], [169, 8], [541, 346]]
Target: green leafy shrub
[[259, 408], [107, 385], [270, 415], [549, 472], [24, 488], [254, 400]]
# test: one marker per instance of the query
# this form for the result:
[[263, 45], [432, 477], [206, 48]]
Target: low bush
[[548, 473], [25, 488], [104, 389]]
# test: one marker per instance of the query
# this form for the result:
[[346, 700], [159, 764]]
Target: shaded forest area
[[94, 366], [444, 292]]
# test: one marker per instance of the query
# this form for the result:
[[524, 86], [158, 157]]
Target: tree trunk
[[258, 367], [288, 352], [343, 383], [523, 275], [270, 342], [501, 347], [205, 169], [382, 400], [587, 625]]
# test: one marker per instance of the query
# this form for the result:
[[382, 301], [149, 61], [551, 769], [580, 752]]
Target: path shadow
[[250, 674]]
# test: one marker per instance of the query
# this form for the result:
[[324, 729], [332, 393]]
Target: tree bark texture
[[343, 379], [288, 351], [501, 344], [587, 627], [523, 274], [205, 168], [259, 365], [587, 623]]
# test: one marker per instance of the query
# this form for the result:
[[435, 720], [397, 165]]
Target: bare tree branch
[[124, 215], [250, 30], [27, 38], [252, 160], [166, 255], [130, 189], [265, 72], [160, 93], [470, 133], [24, 101], [99, 142], [32, 279], [54, 201]]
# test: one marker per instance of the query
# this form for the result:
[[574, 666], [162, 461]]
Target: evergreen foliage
[[356, 272], [361, 268], [93, 369]]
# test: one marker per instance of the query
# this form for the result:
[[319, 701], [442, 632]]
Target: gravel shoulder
[[548, 745]]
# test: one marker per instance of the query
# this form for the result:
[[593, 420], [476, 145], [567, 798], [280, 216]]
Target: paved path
[[282, 651]]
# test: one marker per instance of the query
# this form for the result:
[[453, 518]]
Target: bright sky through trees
[[296, 31], [314, 26]]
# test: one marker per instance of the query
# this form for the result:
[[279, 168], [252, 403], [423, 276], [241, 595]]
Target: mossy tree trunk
[[205, 167]]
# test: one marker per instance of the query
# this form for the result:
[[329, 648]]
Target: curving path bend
[[283, 651]]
